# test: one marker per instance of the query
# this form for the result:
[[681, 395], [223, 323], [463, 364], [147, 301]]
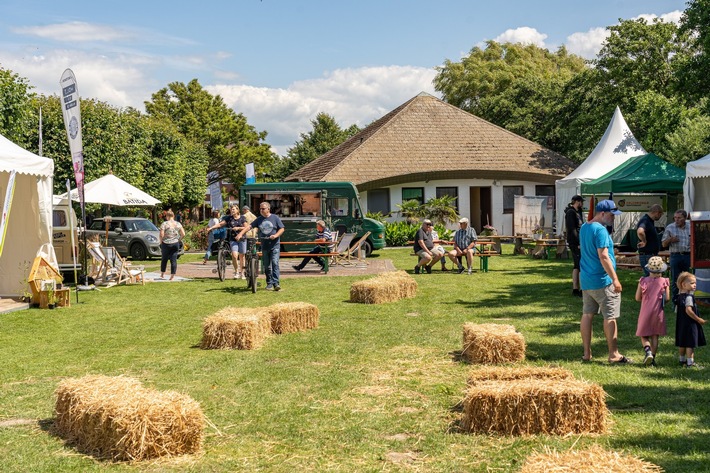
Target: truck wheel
[[366, 248], [138, 252]]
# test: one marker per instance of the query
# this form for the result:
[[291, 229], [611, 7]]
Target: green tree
[[411, 210], [694, 69], [15, 105], [203, 118], [325, 135], [441, 210]]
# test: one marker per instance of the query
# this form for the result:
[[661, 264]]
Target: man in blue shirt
[[270, 230], [464, 245], [601, 289], [322, 235]]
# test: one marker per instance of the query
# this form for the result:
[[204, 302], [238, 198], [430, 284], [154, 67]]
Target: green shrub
[[399, 233]]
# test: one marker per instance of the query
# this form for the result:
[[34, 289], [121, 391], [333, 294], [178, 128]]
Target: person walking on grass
[[171, 232], [601, 289], [652, 292], [688, 325]]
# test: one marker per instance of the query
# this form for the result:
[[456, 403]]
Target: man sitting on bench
[[322, 235], [464, 245], [424, 248]]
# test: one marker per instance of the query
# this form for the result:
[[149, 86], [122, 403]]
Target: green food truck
[[301, 204]]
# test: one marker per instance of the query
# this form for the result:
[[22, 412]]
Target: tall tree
[[325, 135], [203, 118], [694, 74], [15, 105]]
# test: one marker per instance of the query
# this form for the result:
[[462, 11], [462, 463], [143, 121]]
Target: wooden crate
[[61, 298]]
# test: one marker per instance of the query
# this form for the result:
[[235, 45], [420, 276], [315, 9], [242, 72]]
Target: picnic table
[[326, 255]]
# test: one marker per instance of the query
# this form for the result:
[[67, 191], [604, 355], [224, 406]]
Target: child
[[652, 291], [688, 326]]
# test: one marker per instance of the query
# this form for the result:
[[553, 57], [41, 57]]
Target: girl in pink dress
[[653, 291]]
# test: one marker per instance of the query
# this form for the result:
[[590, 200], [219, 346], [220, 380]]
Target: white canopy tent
[[615, 148], [696, 188], [111, 190], [29, 225]]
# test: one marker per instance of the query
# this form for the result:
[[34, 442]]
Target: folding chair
[[343, 249], [127, 273], [356, 249], [98, 260]]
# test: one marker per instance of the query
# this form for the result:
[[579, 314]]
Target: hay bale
[[590, 460], [117, 418], [492, 343], [535, 406], [233, 327], [386, 287], [290, 317], [509, 373]]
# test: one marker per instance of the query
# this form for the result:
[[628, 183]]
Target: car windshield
[[140, 226]]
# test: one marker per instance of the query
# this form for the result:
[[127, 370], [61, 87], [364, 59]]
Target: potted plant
[[51, 298], [489, 230], [537, 232]]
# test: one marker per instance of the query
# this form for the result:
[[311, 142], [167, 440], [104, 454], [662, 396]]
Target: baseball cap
[[577, 198], [607, 206], [463, 220]]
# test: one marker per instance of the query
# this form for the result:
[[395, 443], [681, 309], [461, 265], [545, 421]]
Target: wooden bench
[[482, 255], [304, 254]]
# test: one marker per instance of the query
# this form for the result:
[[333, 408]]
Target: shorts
[[438, 249], [576, 256], [424, 255], [605, 299], [238, 246]]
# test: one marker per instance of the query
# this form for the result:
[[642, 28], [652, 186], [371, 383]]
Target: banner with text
[[9, 193], [72, 122]]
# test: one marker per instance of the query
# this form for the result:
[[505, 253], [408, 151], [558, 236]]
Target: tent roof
[[647, 173], [698, 168], [616, 146], [13, 157]]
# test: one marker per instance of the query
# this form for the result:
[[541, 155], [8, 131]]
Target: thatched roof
[[428, 139]]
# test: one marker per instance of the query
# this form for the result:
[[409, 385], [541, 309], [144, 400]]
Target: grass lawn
[[374, 388]]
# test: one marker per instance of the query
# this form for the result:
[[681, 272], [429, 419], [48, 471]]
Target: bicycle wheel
[[253, 272], [221, 264]]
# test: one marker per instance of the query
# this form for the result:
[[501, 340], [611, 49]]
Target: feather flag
[[590, 215]]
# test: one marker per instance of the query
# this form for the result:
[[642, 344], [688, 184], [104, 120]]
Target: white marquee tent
[[696, 188], [29, 226], [615, 148]]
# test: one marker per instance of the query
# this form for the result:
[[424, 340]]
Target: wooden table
[[326, 255]]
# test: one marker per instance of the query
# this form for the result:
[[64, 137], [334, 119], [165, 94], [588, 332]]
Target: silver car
[[131, 236]]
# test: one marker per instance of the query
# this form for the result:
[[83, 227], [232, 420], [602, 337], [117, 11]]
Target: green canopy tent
[[644, 174]]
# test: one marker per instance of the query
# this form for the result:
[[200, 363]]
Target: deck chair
[[98, 260], [129, 274], [356, 249], [343, 249]]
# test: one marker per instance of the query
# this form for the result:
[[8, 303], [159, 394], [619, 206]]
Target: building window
[[548, 191], [452, 191], [413, 193], [378, 200], [509, 193]]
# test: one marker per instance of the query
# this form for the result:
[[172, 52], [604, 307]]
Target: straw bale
[[236, 328], [589, 460], [290, 317], [386, 287], [535, 406], [117, 418], [510, 373], [492, 343]]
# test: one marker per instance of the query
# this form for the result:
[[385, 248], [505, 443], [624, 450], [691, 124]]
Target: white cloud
[[671, 17], [587, 44], [352, 96], [523, 35], [76, 31]]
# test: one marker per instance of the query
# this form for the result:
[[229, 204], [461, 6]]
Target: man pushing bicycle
[[270, 230]]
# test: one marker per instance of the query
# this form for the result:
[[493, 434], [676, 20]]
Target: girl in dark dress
[[688, 326]]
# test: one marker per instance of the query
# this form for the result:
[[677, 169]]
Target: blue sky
[[280, 62]]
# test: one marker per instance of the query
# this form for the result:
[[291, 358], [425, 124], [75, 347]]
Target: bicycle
[[251, 264], [224, 254]]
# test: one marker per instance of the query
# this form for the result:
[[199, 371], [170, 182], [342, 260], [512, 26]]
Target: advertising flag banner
[[9, 193], [251, 176], [72, 122]]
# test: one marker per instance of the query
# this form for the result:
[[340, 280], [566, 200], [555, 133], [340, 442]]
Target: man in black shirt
[[573, 222], [649, 244]]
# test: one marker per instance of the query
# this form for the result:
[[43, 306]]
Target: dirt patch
[[16, 422]]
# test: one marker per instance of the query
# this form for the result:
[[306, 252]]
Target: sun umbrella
[[111, 190]]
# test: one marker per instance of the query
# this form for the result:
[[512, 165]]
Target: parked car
[[131, 236]]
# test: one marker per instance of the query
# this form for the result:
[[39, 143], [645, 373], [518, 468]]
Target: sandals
[[621, 361]]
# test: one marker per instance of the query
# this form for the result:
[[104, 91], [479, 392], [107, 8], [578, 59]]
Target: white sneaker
[[244, 275], [470, 270], [238, 276]]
